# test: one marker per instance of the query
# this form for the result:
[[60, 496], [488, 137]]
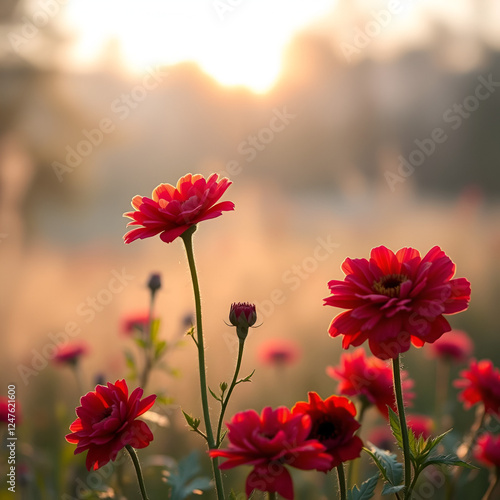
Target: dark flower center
[[326, 430], [390, 285], [106, 413]]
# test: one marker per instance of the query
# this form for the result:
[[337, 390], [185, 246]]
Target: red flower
[[107, 422], [136, 322], [269, 442], [394, 298], [333, 425], [15, 416], [421, 425], [242, 315], [278, 352], [480, 384], [370, 379], [171, 211], [455, 346], [70, 353], [487, 449]]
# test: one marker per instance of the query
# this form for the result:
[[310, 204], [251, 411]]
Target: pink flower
[[333, 425], [137, 322], [480, 384], [70, 353], [107, 422], [487, 450], [173, 210], [278, 352], [454, 345], [421, 425], [268, 442], [393, 299], [370, 379]]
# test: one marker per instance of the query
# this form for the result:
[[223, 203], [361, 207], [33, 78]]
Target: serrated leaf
[[447, 460], [433, 442], [388, 464], [389, 489], [185, 480], [395, 426], [365, 492], [217, 398]]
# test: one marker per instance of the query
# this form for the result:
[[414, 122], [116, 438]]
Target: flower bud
[[154, 282], [242, 315]]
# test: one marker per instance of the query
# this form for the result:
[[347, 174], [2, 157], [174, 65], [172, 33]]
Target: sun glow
[[237, 43]]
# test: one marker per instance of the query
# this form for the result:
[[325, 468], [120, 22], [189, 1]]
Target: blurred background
[[343, 125]]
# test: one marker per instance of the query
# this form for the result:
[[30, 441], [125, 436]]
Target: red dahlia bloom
[[107, 422], [70, 353], [455, 346], [269, 442], [394, 298], [487, 449], [480, 384], [370, 379], [333, 425], [173, 210]]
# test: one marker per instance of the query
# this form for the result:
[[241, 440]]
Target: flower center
[[106, 413], [390, 285], [326, 430]]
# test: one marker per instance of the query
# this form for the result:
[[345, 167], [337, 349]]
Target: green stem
[[342, 487], [138, 471], [272, 495], [229, 392], [148, 361], [402, 422], [187, 237], [494, 482]]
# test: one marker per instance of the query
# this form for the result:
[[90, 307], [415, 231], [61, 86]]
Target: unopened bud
[[154, 282], [242, 315]]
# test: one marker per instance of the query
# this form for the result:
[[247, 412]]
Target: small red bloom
[[242, 315], [421, 425], [278, 352], [487, 449], [10, 413], [138, 322], [333, 425], [173, 210], [454, 346], [269, 442], [480, 384], [370, 379], [394, 298], [107, 422], [70, 353]]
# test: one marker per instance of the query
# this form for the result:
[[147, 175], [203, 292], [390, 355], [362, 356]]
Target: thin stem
[[187, 237], [138, 471], [342, 487], [229, 392], [148, 361], [402, 422], [494, 482], [272, 495]]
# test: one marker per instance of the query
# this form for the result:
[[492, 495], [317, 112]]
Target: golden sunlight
[[237, 42]]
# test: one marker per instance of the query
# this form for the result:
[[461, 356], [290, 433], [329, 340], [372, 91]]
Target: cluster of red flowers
[[319, 434]]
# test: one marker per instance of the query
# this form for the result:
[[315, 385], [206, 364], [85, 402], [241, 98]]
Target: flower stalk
[[137, 466], [342, 484], [404, 429], [187, 238]]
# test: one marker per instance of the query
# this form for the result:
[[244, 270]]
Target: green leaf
[[395, 426], [160, 348], [193, 422], [388, 464], [217, 398], [140, 342], [433, 442], [247, 378], [185, 481], [447, 460], [390, 490], [365, 492], [155, 328]]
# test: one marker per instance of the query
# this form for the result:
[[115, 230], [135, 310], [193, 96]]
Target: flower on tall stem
[[480, 383], [269, 442], [454, 346], [334, 425], [242, 315], [107, 423], [396, 298], [173, 210], [370, 379]]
